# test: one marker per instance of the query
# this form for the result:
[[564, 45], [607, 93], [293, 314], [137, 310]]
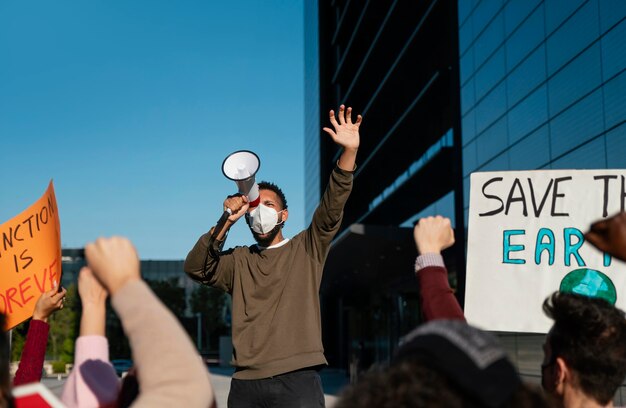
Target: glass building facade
[[538, 84], [395, 63], [543, 86]]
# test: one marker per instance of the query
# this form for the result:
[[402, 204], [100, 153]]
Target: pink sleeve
[[437, 298], [33, 354], [93, 381], [169, 368]]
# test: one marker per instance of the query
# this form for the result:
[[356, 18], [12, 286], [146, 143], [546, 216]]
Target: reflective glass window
[[575, 80], [469, 158], [531, 152], [484, 13], [616, 148], [465, 7], [558, 11], [493, 141], [489, 40], [615, 101], [466, 65], [576, 125], [614, 51], [491, 107], [466, 36], [500, 162], [611, 11], [526, 76], [467, 97], [468, 127], [489, 74], [528, 115], [525, 39], [444, 207], [516, 11], [466, 194], [573, 36], [588, 156]]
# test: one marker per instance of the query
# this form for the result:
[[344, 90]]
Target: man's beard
[[267, 239]]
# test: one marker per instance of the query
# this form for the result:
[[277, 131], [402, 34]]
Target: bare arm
[[170, 371], [93, 381], [93, 297]]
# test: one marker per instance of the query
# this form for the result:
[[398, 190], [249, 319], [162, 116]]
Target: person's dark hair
[[129, 391], [411, 383], [590, 335], [264, 185]]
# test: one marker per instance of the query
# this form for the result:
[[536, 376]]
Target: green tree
[[63, 331], [210, 303], [64, 327], [118, 343], [18, 338], [171, 294]]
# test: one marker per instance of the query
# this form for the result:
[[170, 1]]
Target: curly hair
[[412, 384], [590, 335], [265, 185]]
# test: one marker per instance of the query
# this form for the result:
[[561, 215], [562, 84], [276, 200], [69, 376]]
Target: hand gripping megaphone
[[240, 167]]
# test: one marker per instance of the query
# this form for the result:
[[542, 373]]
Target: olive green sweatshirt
[[276, 324]]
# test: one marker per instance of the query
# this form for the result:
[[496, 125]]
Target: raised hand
[[345, 133], [113, 261], [609, 235], [48, 303], [433, 234], [238, 206], [91, 291]]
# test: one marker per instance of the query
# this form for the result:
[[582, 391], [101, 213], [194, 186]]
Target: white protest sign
[[526, 241]]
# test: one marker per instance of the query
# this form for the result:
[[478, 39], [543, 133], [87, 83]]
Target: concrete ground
[[332, 380], [54, 384]]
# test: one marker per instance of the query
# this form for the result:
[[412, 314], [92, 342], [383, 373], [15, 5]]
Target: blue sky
[[131, 107]]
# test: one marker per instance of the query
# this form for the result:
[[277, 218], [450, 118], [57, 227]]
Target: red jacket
[[31, 362], [437, 298]]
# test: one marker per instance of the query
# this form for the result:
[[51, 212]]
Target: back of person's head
[[414, 384], [129, 390], [5, 380], [589, 334], [444, 363]]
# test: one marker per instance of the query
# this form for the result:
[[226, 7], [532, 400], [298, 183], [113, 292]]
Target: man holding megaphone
[[276, 323]]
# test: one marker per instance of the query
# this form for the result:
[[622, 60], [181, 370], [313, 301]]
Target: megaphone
[[241, 166]]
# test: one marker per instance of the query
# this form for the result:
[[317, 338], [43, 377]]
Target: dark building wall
[[396, 63], [393, 62]]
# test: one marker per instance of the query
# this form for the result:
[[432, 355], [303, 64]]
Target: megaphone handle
[[221, 222]]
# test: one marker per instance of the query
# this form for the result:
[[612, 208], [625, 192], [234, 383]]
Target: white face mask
[[262, 219]]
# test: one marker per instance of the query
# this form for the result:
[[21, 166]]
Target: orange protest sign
[[30, 258]]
